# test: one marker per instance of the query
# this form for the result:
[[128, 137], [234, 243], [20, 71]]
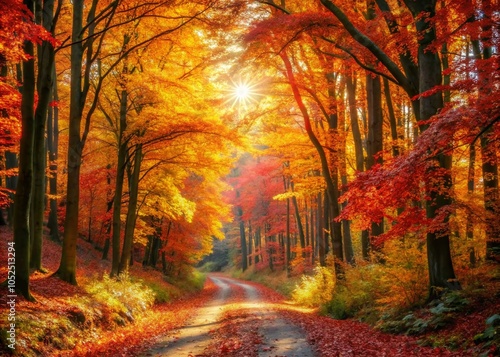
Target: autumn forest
[[161, 156]]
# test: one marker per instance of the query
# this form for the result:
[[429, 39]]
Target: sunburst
[[242, 93]]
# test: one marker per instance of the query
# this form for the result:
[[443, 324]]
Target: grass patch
[[161, 294], [210, 267], [191, 282], [276, 280]]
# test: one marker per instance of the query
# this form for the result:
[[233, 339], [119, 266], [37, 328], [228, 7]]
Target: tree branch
[[364, 40]]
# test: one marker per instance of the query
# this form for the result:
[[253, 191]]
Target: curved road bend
[[280, 337]]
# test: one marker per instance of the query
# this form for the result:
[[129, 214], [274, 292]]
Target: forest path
[[237, 321]]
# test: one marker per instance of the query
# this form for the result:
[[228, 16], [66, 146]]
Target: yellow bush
[[404, 275], [396, 279], [121, 295], [317, 289]]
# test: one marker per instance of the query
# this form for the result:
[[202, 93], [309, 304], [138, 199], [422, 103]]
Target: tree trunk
[[489, 146], [250, 243], [441, 272], [491, 195], [147, 251], [270, 252], [91, 213], [469, 228], [307, 223], [346, 224], [392, 119], [312, 232], [243, 242], [331, 183], [131, 212], [11, 162], [44, 88], [105, 250], [358, 149], [52, 147], [333, 192], [258, 246], [120, 175], [288, 243], [375, 133], [300, 227], [320, 230], [107, 223], [356, 132], [10, 157], [24, 186], [164, 266], [375, 143], [67, 267], [342, 142], [155, 249]]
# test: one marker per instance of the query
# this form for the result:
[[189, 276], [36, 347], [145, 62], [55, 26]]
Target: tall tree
[[45, 83], [67, 266], [483, 48], [24, 186], [52, 150]]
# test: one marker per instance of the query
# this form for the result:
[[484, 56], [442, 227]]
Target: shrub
[[403, 276], [121, 295], [209, 267], [161, 293], [357, 293], [317, 289], [374, 289], [491, 335]]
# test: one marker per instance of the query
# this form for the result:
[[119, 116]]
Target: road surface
[[199, 337]]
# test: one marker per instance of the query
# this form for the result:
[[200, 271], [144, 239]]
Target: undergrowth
[[315, 290], [124, 297], [438, 314], [101, 304], [97, 305]]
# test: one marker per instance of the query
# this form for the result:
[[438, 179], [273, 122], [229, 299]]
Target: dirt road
[[237, 318]]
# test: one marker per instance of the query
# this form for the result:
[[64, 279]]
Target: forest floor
[[228, 317]]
